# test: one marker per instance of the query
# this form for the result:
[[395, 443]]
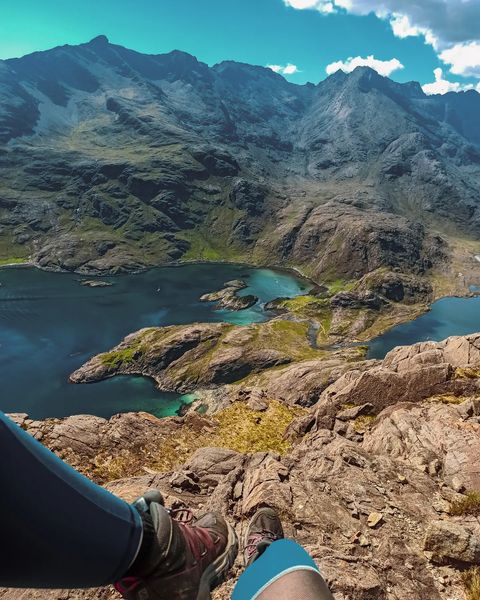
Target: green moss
[[287, 337], [193, 371], [312, 308], [11, 252], [213, 240], [91, 228], [201, 247], [12, 261], [300, 303], [118, 358], [359, 353], [325, 327], [447, 399], [468, 505], [340, 285]]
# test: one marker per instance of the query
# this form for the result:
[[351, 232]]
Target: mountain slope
[[376, 480], [112, 159]]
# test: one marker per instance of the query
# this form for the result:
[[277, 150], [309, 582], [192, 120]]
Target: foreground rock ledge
[[372, 490]]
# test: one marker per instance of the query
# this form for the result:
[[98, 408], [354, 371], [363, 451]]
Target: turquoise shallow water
[[449, 316], [50, 325]]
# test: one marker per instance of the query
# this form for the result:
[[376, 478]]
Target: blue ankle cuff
[[280, 558]]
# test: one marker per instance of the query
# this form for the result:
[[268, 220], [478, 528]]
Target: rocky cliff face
[[379, 479], [116, 160]]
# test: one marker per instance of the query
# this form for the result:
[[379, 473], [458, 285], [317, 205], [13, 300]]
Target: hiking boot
[[264, 528], [184, 559]]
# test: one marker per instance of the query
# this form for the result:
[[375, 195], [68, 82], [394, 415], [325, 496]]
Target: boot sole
[[217, 572]]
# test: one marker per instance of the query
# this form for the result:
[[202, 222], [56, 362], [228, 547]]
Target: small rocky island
[[228, 296], [95, 283]]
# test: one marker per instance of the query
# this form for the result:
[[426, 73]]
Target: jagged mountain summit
[[116, 160]]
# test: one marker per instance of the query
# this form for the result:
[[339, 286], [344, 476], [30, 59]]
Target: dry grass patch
[[236, 428], [363, 423], [471, 580], [247, 431], [467, 373], [447, 399], [468, 505]]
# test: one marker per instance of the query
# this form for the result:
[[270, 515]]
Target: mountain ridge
[[128, 160]]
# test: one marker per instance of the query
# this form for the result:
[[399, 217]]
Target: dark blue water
[[449, 316], [50, 325]]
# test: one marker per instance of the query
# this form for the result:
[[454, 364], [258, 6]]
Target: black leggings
[[57, 528]]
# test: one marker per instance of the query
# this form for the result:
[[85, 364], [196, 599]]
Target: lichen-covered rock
[[421, 434]]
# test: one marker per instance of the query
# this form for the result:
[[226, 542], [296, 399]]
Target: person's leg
[[297, 585], [284, 571], [277, 568], [58, 529]]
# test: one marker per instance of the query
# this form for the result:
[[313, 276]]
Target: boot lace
[[256, 538], [182, 515]]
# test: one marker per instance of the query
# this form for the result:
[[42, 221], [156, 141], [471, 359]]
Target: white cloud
[[301, 4], [287, 69], [443, 86], [325, 6], [384, 67], [402, 27], [443, 22], [463, 58], [290, 69], [450, 26], [440, 85]]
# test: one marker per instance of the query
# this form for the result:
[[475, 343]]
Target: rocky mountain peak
[[358, 140], [99, 40]]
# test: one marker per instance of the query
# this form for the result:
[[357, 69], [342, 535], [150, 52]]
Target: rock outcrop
[[95, 283], [185, 358], [407, 374], [228, 297], [380, 493]]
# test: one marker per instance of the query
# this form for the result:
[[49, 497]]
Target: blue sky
[[314, 37]]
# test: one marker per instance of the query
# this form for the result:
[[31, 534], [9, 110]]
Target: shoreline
[[291, 270], [423, 309], [281, 268], [20, 265]]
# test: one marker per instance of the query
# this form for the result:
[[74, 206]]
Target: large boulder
[[453, 542]]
